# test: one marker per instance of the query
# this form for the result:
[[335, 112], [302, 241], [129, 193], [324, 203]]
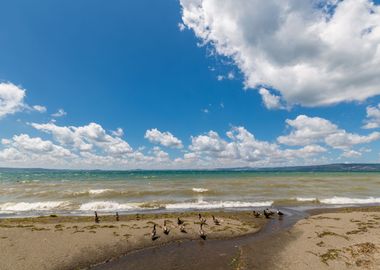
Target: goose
[[256, 214], [165, 229], [182, 229], [201, 219], [153, 234], [179, 221], [267, 214], [96, 217], [202, 233], [117, 216], [216, 221]]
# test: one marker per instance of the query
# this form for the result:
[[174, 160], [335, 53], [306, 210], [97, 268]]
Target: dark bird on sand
[[216, 221], [153, 233], [267, 214], [179, 221], [256, 214], [182, 229], [117, 216], [202, 233], [165, 229], [202, 220], [96, 217]]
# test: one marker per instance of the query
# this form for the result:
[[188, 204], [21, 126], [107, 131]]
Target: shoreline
[[76, 242]]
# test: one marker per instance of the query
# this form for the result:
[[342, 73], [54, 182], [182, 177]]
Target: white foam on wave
[[98, 191], [216, 205], [306, 199], [347, 200], [111, 206], [200, 190], [32, 206]]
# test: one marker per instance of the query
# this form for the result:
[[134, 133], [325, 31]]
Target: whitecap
[[217, 205], [347, 200], [200, 190], [98, 191], [33, 206]]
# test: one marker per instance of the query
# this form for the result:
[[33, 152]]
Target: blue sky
[[130, 65]]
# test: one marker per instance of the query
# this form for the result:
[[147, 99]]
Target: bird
[[182, 229], [117, 216], [165, 229], [216, 221], [153, 234], [96, 217], [202, 233], [201, 219], [179, 221], [280, 213], [256, 214], [267, 213]]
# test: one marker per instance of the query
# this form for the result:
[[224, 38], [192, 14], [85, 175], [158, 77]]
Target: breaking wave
[[347, 200], [200, 190]]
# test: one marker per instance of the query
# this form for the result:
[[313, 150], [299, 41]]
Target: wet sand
[[79, 242], [346, 238]]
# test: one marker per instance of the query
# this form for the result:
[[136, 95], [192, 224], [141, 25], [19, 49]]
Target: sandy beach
[[78, 242], [347, 238]]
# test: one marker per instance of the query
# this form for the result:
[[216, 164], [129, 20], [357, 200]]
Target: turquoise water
[[38, 192]]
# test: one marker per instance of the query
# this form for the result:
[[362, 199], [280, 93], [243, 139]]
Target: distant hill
[[340, 167]]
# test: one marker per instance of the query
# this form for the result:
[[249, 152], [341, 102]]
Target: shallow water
[[30, 192]]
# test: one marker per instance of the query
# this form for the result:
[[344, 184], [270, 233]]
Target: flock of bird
[[267, 213]]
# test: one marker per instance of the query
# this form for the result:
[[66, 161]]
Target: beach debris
[[96, 217], [216, 221], [117, 216], [182, 229], [179, 221], [202, 220], [165, 229], [154, 233], [256, 214], [202, 233]]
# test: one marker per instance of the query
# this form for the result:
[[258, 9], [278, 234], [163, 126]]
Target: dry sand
[[77, 242], [345, 240]]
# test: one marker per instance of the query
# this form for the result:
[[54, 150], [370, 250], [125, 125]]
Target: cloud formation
[[308, 130], [59, 113], [11, 99], [373, 117], [298, 47], [270, 101], [308, 140], [164, 138]]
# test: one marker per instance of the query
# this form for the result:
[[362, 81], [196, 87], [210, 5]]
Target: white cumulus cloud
[[39, 108], [308, 130], [164, 138], [373, 117], [270, 101], [314, 52], [11, 99]]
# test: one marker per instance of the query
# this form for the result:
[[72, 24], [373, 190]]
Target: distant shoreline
[[333, 167]]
